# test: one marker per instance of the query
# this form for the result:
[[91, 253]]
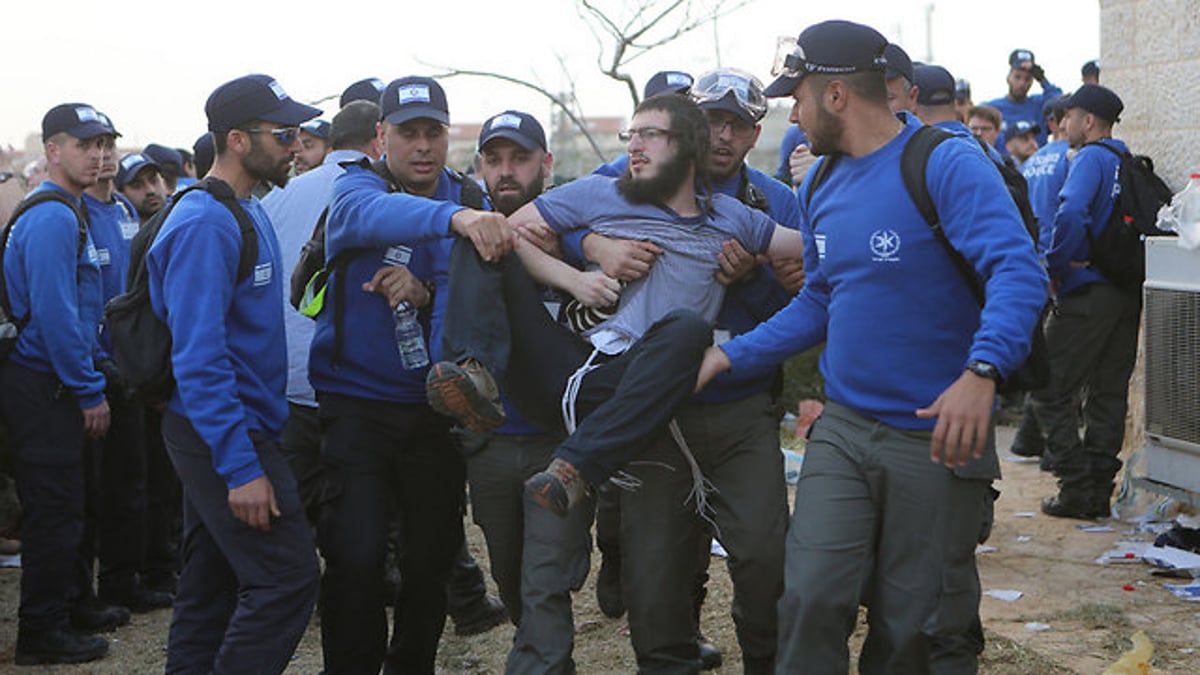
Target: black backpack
[[1119, 251], [10, 326], [141, 341], [1034, 373]]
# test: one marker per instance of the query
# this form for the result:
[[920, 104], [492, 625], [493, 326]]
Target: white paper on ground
[[1171, 558], [1005, 595]]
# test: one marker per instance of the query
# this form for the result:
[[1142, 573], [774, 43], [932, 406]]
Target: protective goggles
[[747, 90], [790, 61]]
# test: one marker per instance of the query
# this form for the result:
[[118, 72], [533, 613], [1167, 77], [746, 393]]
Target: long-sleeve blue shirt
[[57, 286], [294, 212], [900, 322], [112, 227], [379, 228], [1084, 206], [1045, 172], [228, 348], [1029, 110]]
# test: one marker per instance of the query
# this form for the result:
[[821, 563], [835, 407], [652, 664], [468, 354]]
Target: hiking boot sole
[[452, 393]]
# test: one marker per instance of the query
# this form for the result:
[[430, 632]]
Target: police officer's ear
[[238, 142]]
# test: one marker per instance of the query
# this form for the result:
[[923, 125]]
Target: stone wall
[[1150, 56]]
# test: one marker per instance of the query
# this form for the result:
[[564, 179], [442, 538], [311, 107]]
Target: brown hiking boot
[[558, 488], [467, 393]]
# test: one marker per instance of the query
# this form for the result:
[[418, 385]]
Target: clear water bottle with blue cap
[[410, 339]]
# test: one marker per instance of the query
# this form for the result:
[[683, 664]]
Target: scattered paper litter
[[1123, 552], [1171, 558], [1094, 528], [1189, 592], [985, 549], [1024, 514], [1024, 538], [1037, 626], [1017, 459], [10, 560], [718, 550], [1005, 595]]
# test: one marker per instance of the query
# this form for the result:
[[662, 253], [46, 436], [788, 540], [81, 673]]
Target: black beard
[[826, 133], [261, 167], [508, 204], [657, 189]]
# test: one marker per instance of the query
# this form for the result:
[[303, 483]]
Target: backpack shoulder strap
[[221, 191], [914, 162], [819, 175], [472, 195], [41, 197], [1109, 148]]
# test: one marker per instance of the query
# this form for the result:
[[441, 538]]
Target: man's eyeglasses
[[737, 128], [647, 134], [978, 130], [285, 135]]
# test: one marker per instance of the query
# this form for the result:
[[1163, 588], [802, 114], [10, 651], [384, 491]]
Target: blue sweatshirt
[[1030, 110], [228, 349], [750, 302], [899, 321], [381, 228], [112, 227], [1084, 205], [57, 287], [1045, 172]]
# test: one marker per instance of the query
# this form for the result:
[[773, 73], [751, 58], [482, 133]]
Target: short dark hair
[[689, 127], [870, 85], [354, 126], [988, 113]]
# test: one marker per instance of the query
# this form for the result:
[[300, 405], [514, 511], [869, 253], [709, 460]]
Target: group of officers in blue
[[277, 424]]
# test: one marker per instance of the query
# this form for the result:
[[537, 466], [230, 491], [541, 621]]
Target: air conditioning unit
[[1171, 321]]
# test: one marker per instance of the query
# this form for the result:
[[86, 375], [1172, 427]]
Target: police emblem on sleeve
[[885, 246]]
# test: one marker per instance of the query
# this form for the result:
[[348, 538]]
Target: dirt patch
[[1090, 614]]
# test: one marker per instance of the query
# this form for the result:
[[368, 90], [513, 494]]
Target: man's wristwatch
[[985, 369]]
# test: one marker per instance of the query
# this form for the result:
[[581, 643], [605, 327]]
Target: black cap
[[363, 90], [521, 128], [204, 151], [1098, 100], [898, 63], [254, 97], [962, 90], [318, 128], [830, 47], [935, 85], [1091, 68], [170, 161], [77, 119], [1053, 105], [1020, 128], [131, 165], [410, 98], [667, 82], [1021, 58]]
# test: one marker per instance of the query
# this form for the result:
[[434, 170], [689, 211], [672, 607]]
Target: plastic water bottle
[[410, 339]]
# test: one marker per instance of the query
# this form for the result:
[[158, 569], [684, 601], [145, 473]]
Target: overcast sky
[[151, 64]]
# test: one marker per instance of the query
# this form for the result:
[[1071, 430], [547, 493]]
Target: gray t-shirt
[[683, 275]]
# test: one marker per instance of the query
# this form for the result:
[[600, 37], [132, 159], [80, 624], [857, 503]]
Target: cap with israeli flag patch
[[414, 97], [254, 97], [518, 127], [77, 119]]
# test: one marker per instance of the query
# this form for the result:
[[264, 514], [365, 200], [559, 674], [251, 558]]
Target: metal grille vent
[[1172, 359]]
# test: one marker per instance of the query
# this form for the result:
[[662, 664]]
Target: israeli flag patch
[[103, 257], [397, 255], [505, 120], [262, 274], [413, 93], [679, 80], [131, 160], [277, 90], [87, 114]]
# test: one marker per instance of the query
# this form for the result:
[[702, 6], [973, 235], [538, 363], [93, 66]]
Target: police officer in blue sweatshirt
[[1018, 104], [119, 463], [911, 363], [384, 448], [249, 577], [1092, 333], [53, 396]]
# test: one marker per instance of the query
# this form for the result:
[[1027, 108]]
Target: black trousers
[[381, 459], [164, 502], [245, 596], [120, 471], [46, 427], [496, 317], [301, 446]]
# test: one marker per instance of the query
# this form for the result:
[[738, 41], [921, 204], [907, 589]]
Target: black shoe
[[93, 616], [1024, 450], [59, 646], [137, 598], [1072, 505], [608, 588], [484, 616], [710, 654]]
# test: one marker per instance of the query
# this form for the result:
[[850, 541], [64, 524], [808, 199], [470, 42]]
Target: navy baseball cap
[[1053, 105], [254, 97], [667, 82], [204, 151], [830, 48], [168, 159], [1098, 100], [518, 127], [1091, 68], [363, 90], [962, 90], [1021, 58], [131, 165], [410, 98], [935, 85], [1020, 128], [898, 63], [318, 128], [76, 119]]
